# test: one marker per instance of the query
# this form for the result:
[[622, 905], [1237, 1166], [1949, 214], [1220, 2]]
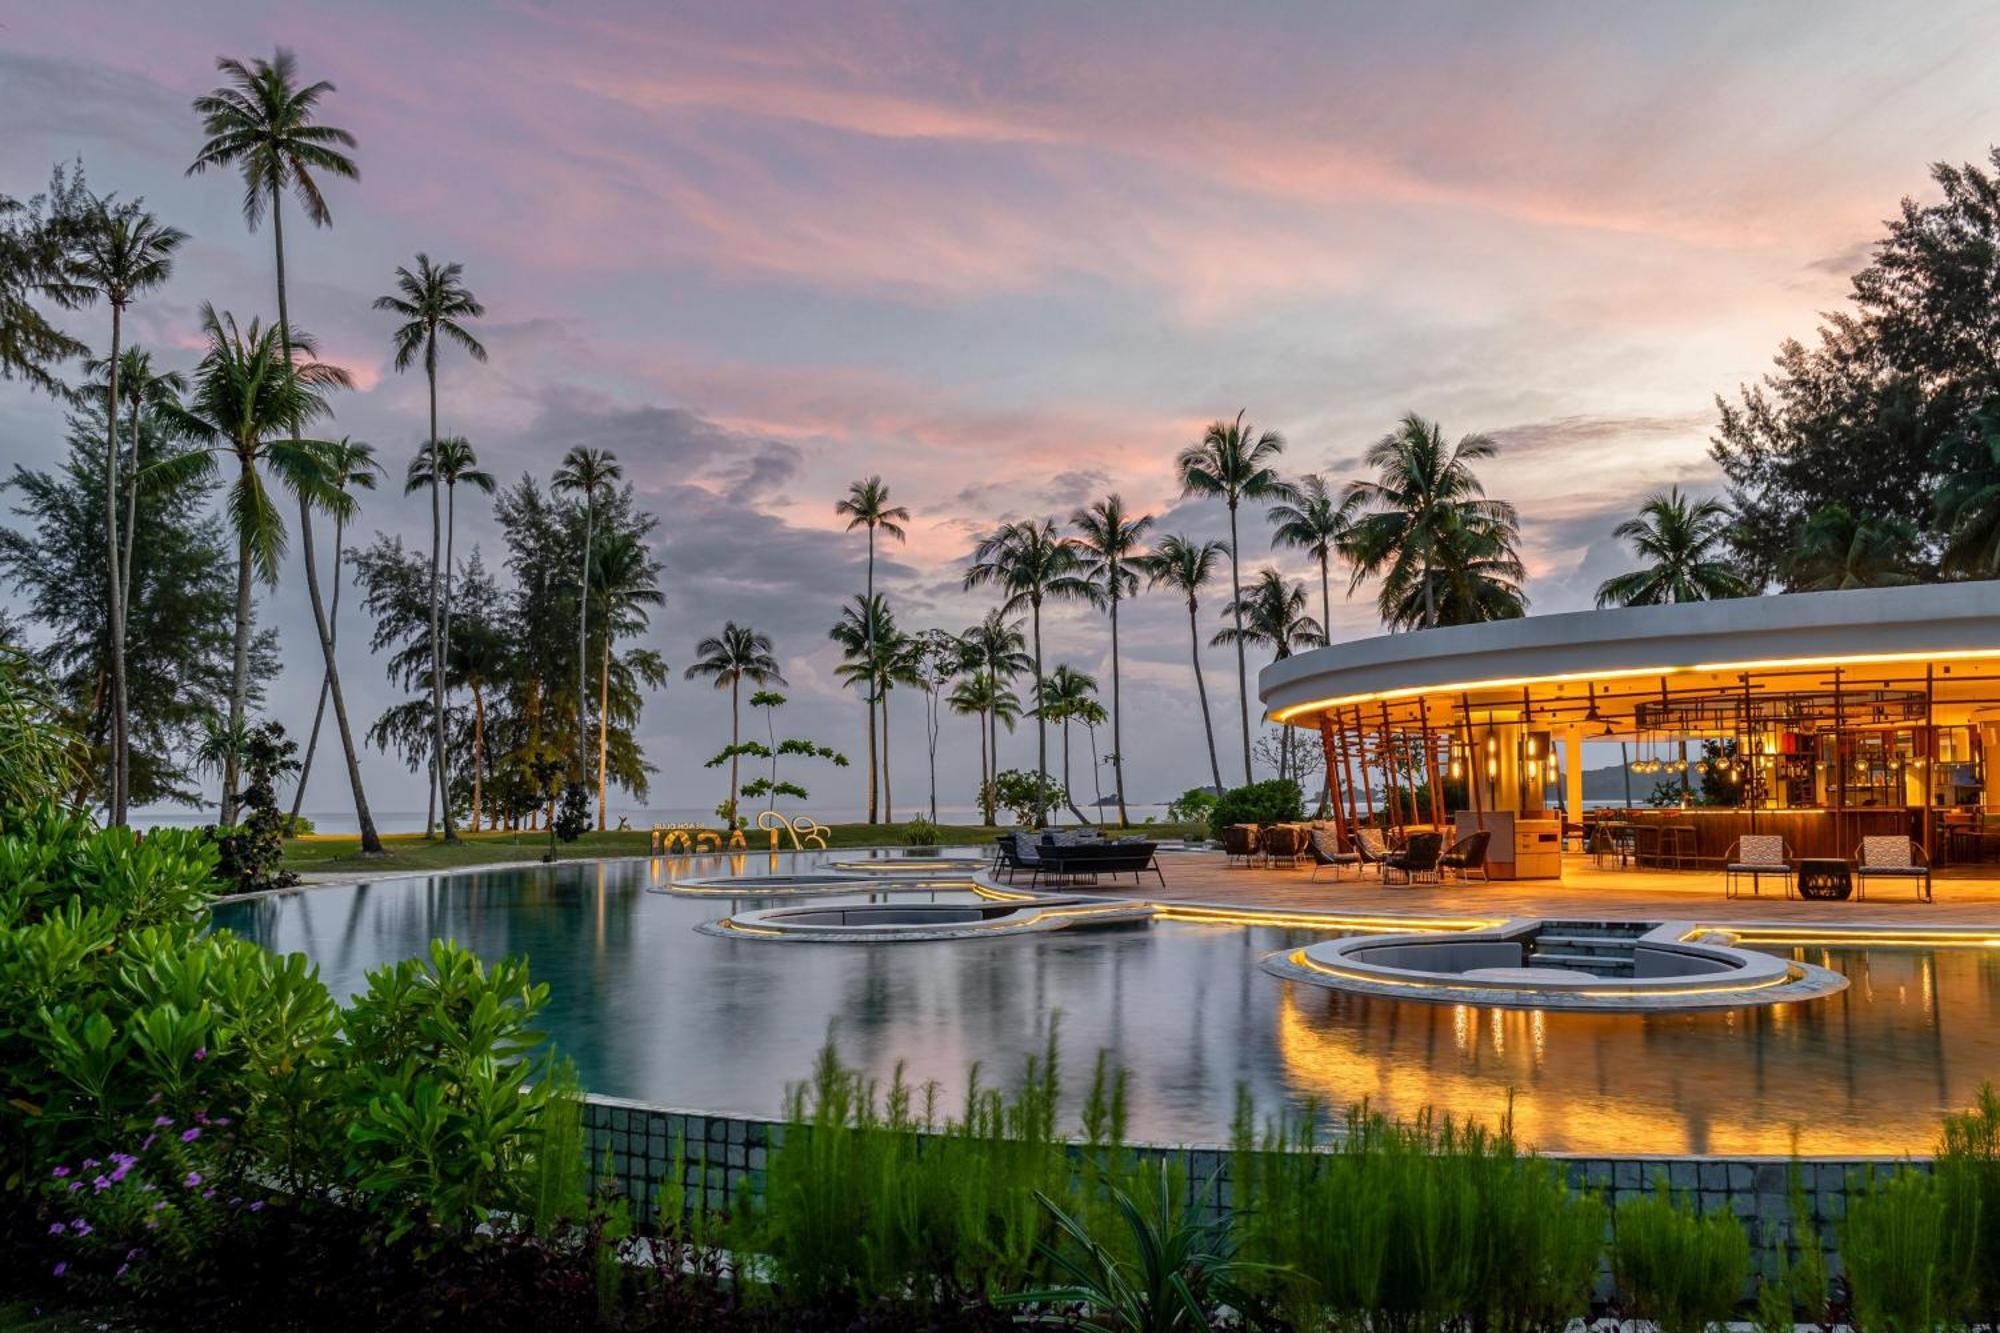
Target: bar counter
[[1814, 832]]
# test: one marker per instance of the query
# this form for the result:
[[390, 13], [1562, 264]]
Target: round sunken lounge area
[[897, 923], [1621, 967]]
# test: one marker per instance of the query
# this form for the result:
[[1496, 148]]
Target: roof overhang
[[1929, 623]]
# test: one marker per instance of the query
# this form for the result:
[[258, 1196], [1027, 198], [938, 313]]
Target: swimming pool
[[651, 1009]]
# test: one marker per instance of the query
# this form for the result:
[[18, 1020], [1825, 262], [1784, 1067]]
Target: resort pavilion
[[1822, 718]]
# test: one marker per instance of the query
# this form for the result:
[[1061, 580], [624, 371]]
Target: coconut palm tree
[[247, 400], [737, 654], [867, 506], [432, 302], [1109, 547], [1477, 577], [1272, 614], [351, 466], [1233, 462], [997, 647], [1031, 562], [878, 658], [627, 581], [120, 252], [1425, 522], [1066, 695], [264, 124], [588, 473], [1682, 540], [456, 463], [1186, 566], [1310, 519], [1837, 550], [985, 696]]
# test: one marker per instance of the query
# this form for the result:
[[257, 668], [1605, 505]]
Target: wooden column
[[1927, 774], [1392, 793], [1472, 756], [1430, 763], [1361, 740], [1326, 749], [1839, 765]]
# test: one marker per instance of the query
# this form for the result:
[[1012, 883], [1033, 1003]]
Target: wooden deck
[[1965, 897]]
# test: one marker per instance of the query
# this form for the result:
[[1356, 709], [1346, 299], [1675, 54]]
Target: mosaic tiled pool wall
[[636, 1148]]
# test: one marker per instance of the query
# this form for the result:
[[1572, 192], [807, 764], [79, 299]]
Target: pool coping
[[1887, 934]]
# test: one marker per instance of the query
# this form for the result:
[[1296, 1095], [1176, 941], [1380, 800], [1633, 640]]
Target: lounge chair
[[1284, 842], [1090, 857], [1323, 845], [1756, 855], [1891, 857], [1239, 842], [1467, 856], [1015, 852], [1370, 847], [1418, 859]]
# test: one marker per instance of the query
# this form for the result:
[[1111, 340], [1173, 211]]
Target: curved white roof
[[1945, 620]]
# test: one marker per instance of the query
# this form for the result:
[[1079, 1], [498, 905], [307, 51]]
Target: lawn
[[334, 854]]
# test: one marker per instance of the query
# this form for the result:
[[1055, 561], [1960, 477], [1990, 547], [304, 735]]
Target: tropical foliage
[[1682, 541]]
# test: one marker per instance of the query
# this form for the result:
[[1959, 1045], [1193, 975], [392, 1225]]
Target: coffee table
[[1825, 877]]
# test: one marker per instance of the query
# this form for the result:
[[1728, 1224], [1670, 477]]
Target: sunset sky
[[1011, 257]]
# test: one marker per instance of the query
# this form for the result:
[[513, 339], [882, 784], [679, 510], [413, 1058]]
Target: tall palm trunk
[[869, 699], [131, 525], [1201, 690], [583, 652], [1117, 733], [985, 809], [735, 737], [1041, 723], [888, 800], [444, 627], [326, 678], [371, 843], [114, 604], [239, 675], [1325, 601], [440, 765], [1069, 795], [1236, 613], [993, 737], [868, 632], [603, 726]]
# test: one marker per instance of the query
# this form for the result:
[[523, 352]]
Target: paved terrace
[[1968, 896]]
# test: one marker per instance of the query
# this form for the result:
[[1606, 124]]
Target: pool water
[[650, 1009]]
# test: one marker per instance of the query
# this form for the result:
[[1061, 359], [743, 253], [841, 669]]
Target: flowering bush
[[138, 1217]]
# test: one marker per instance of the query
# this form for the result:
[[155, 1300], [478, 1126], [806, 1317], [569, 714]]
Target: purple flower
[[75, 1185], [257, 1207], [121, 1270], [80, 1227], [190, 1135], [119, 1174], [148, 1143], [100, 1184], [60, 1269], [161, 1204], [89, 1163], [55, 1228], [221, 1120], [193, 1179], [60, 1172], [208, 1193], [201, 1052], [162, 1122]]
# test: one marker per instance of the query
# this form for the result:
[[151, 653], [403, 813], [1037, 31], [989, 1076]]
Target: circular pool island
[[1603, 966]]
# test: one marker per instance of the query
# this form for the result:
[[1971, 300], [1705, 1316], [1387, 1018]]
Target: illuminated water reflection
[[650, 1009]]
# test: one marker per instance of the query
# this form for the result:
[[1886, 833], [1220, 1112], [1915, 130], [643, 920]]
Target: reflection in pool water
[[651, 1009]]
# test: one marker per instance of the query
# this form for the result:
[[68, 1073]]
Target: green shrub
[[1898, 1246], [920, 832], [1968, 1174], [1678, 1268], [1025, 795], [1192, 806], [1274, 801], [1412, 1224]]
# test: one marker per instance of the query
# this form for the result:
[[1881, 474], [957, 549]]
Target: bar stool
[[1676, 844]]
